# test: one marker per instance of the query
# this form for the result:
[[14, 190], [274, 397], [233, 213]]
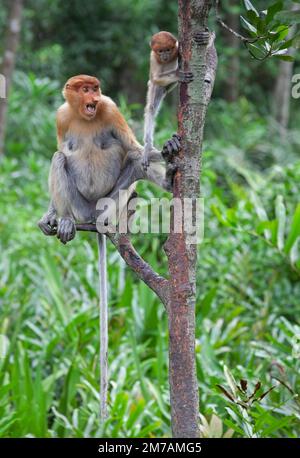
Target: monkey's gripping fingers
[[48, 224], [66, 230], [202, 38], [171, 169], [185, 77], [171, 148]]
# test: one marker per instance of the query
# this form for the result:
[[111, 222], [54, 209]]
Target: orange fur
[[162, 41], [71, 114]]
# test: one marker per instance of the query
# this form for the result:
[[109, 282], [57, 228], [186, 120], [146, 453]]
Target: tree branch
[[143, 270]]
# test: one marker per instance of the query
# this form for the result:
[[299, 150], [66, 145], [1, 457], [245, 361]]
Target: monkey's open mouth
[[90, 108]]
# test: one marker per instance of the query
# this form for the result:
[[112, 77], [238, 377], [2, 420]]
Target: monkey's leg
[[48, 223], [67, 200], [157, 173], [154, 98], [131, 172], [171, 87]]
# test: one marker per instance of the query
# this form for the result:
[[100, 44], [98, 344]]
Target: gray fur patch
[[73, 143], [105, 140]]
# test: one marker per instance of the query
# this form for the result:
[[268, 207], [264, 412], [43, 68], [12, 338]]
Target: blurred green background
[[248, 268]]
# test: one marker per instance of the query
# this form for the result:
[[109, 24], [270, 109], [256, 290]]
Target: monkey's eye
[[167, 50], [96, 88], [85, 89]]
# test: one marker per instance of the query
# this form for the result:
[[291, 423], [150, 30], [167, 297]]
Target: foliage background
[[248, 296]]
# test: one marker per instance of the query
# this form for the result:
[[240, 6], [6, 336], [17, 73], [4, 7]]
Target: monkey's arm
[[123, 132], [171, 77], [164, 79], [66, 202], [134, 171], [48, 222], [62, 124]]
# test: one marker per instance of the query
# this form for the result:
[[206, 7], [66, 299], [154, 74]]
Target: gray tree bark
[[8, 61]]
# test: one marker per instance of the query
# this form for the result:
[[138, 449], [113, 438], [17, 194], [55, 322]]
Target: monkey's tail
[[103, 305]]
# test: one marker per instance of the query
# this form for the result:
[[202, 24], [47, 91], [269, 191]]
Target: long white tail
[[103, 306]]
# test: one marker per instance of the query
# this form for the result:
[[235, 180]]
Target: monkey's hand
[[169, 152], [171, 148], [146, 153], [202, 38], [185, 77], [48, 223], [66, 230]]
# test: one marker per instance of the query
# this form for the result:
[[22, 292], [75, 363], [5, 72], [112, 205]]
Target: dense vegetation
[[249, 264]]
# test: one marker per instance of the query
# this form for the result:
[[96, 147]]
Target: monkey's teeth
[[91, 108]]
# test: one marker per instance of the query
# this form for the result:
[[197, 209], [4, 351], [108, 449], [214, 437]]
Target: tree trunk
[[282, 90], [8, 62], [182, 256]]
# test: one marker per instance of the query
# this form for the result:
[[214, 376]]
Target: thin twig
[[225, 26]]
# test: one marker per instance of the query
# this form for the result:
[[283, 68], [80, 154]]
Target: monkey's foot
[[48, 224], [202, 38], [171, 148], [171, 169], [145, 163], [66, 230], [146, 154], [185, 77]]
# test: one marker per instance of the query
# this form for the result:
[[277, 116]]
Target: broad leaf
[[294, 231]]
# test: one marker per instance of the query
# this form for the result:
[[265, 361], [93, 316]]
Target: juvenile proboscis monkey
[[165, 73]]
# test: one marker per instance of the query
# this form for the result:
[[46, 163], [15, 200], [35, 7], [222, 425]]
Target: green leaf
[[224, 391], [284, 57], [272, 10], [230, 380], [253, 18], [250, 7], [294, 231], [248, 26], [261, 26], [233, 426], [294, 253], [288, 17], [287, 44], [281, 218]]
